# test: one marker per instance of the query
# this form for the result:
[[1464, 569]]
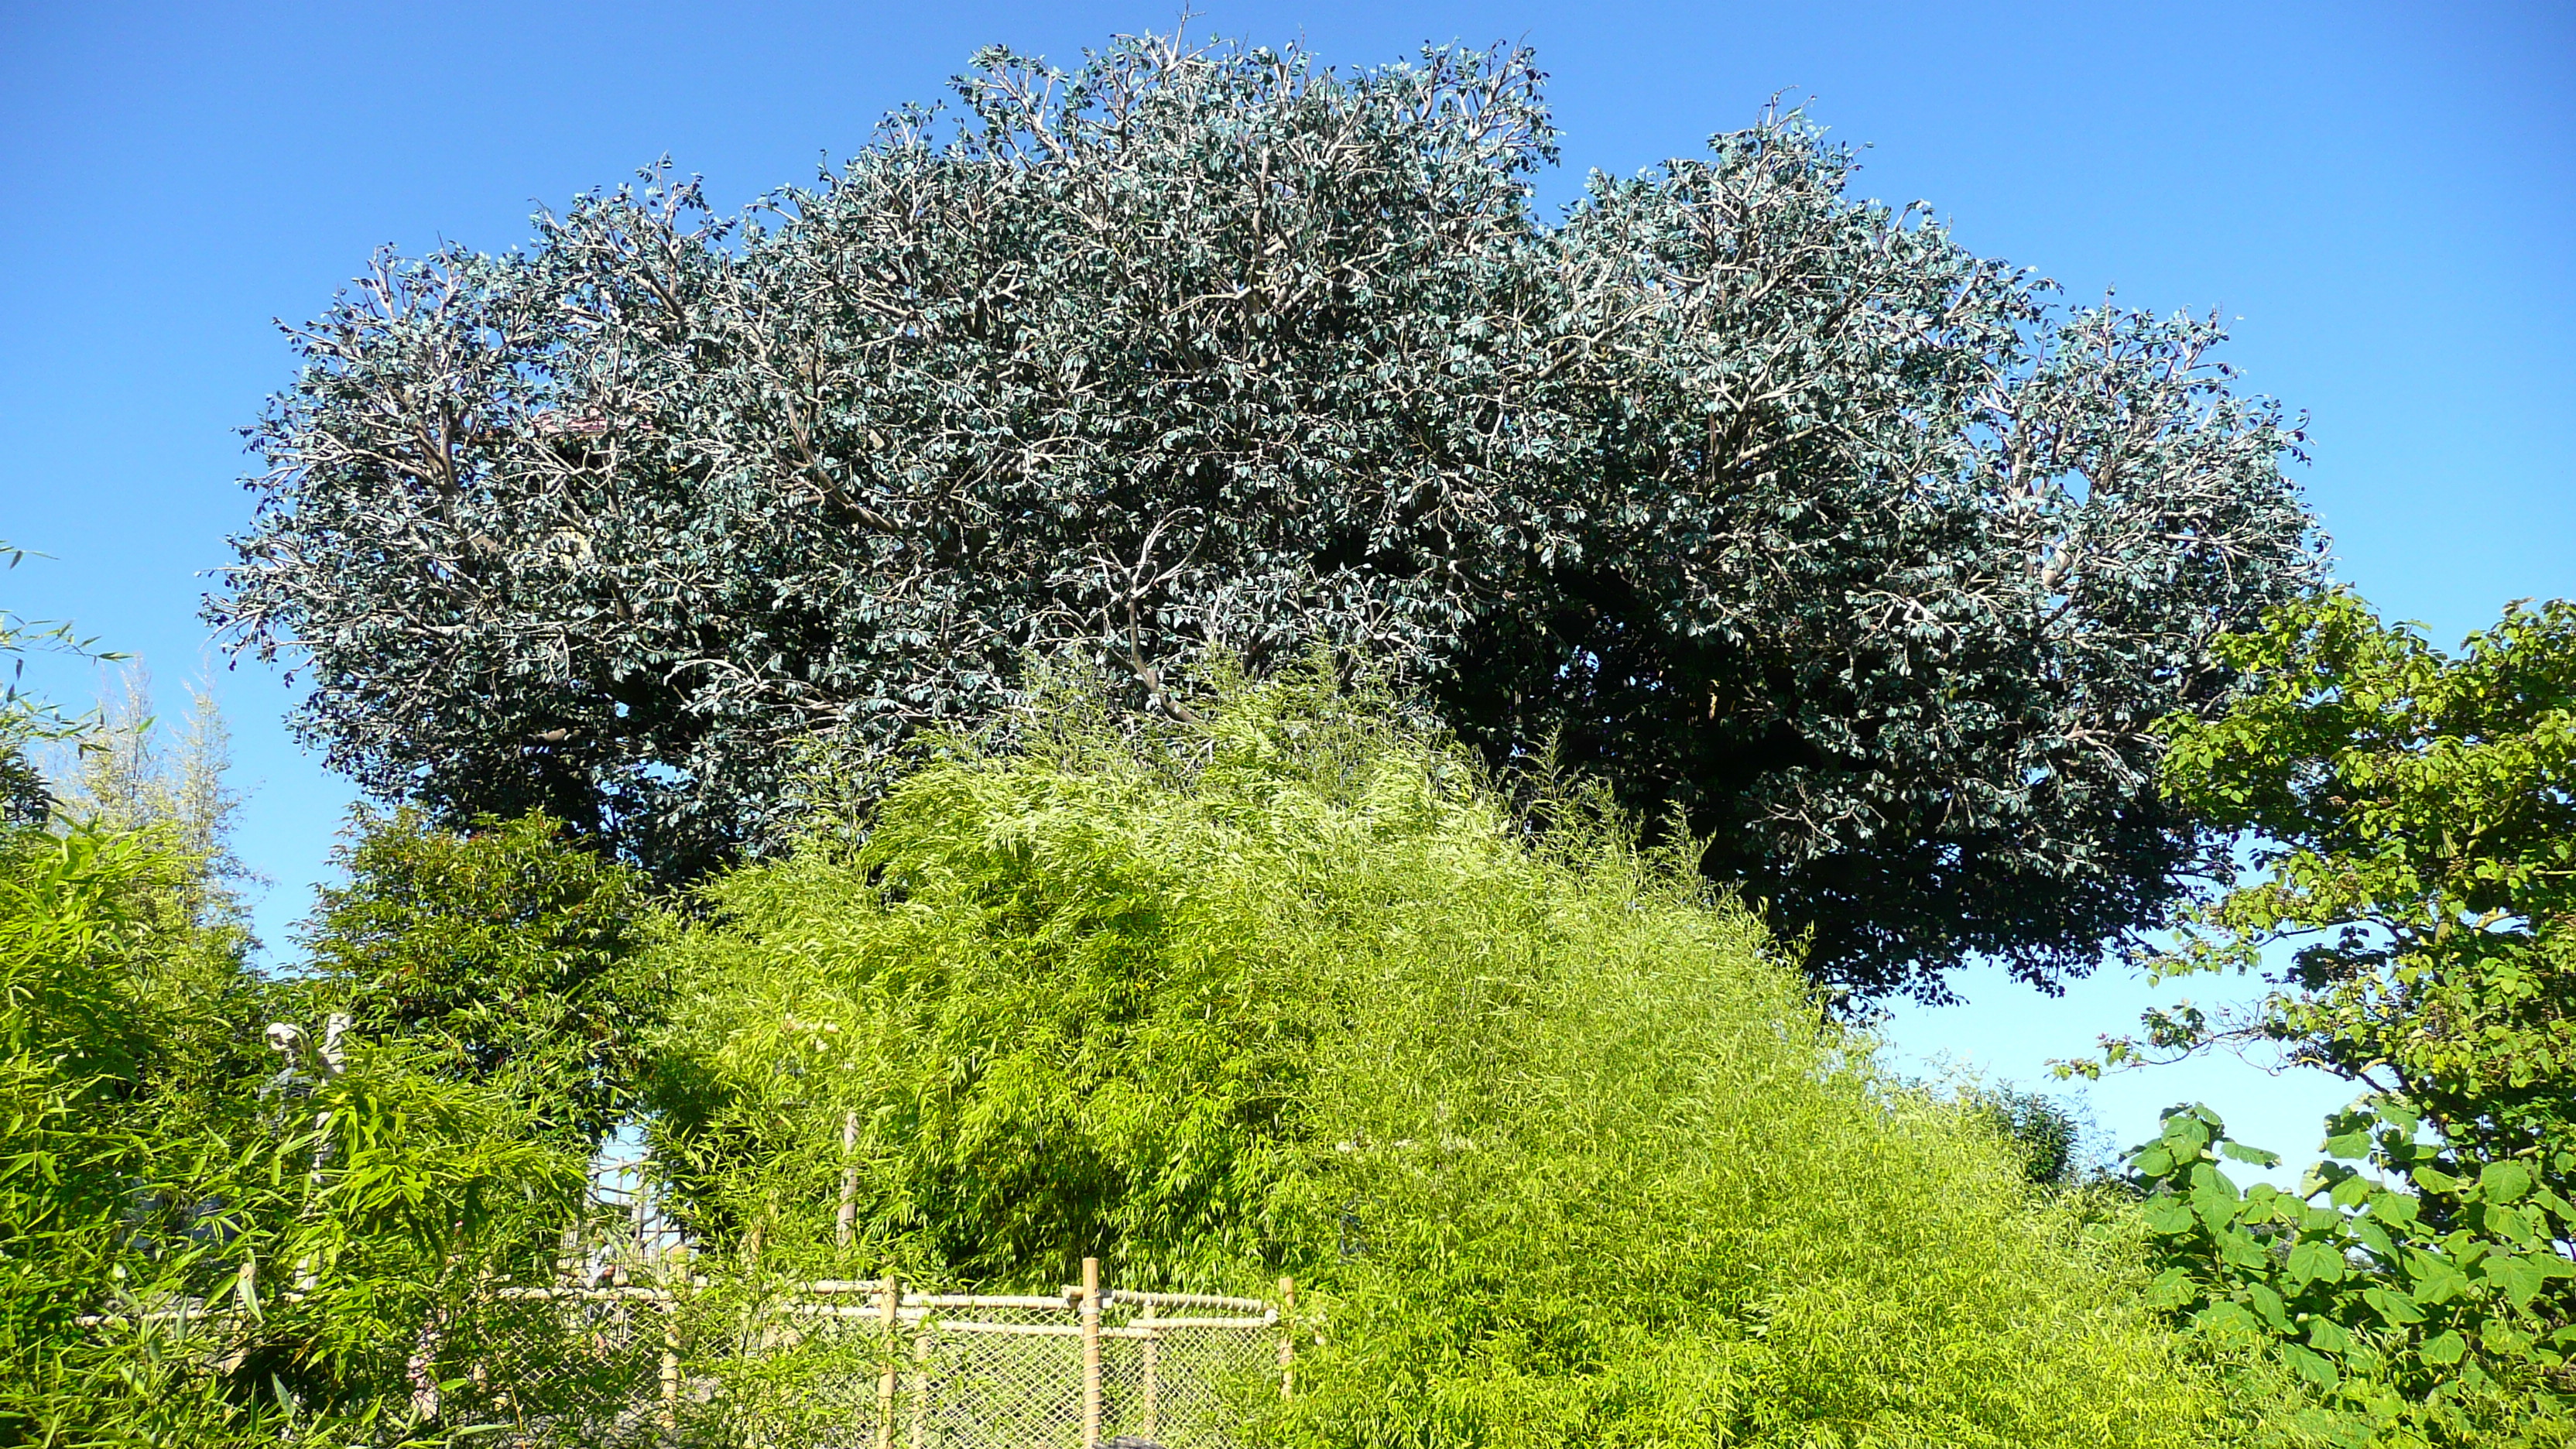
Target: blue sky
[[2385, 195]]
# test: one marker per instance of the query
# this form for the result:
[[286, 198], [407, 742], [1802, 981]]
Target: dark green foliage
[[1761, 502], [1557, 1153], [2046, 1135], [506, 953], [24, 799]]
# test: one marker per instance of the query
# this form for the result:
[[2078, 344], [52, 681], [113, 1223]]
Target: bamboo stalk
[[845, 1224]]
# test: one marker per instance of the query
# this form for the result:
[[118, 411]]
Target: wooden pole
[[675, 1266], [1287, 1337], [1091, 1353], [1153, 1372], [845, 1224], [889, 1308], [670, 1307], [921, 1388]]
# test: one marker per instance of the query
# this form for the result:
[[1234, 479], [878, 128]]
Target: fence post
[[889, 1308], [670, 1306], [1153, 1354], [1091, 1353], [921, 1385], [675, 1268], [1287, 1337]]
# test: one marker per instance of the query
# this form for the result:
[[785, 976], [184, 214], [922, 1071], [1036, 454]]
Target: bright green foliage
[[267, 1253], [2413, 817], [1760, 500], [143, 1172], [2412, 835], [2422, 1308], [504, 952], [1558, 1151]]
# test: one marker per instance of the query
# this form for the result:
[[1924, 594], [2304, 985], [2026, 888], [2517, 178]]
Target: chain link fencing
[[856, 1365]]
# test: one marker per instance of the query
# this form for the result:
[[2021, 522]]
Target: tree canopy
[[505, 951], [2414, 844], [2410, 848], [1805, 527]]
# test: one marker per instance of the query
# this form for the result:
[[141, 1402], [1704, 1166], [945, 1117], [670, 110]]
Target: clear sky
[[2384, 194]]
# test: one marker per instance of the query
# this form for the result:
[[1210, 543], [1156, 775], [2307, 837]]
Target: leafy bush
[[504, 951], [196, 1248], [2418, 1309], [1556, 1144], [2409, 830]]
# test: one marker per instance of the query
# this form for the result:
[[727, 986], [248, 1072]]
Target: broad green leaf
[[2314, 1367], [2505, 1223], [2268, 1304], [2444, 1348], [2515, 1276], [2170, 1215], [2229, 1322], [2435, 1280], [2393, 1307], [2504, 1181], [2241, 1249], [2254, 1155], [2171, 1288], [2433, 1179], [2313, 1261]]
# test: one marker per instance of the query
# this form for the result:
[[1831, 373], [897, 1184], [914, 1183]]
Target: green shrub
[[267, 1256], [1554, 1140], [504, 951]]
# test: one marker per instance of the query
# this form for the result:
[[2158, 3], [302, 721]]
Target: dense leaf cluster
[[2410, 848], [202, 1244], [2413, 824], [506, 955], [1769, 505], [1557, 1152], [2426, 1305]]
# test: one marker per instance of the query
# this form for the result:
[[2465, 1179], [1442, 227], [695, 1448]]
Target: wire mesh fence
[[620, 1345], [858, 1365], [595, 1366]]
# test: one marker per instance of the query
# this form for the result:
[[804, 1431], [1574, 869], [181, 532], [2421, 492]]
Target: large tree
[[1767, 504]]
